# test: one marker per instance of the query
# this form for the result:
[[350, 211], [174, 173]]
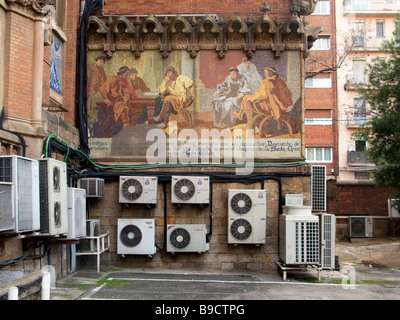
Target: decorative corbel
[[263, 31], [129, 27], [155, 35], [179, 32], [278, 46], [236, 31], [208, 31], [108, 46]]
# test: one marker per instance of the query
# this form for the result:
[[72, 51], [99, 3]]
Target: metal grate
[[318, 188], [307, 242], [328, 240]]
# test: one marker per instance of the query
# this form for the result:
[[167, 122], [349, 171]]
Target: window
[[322, 8], [358, 33], [323, 154], [322, 43], [356, 5], [360, 111], [359, 66], [380, 29], [320, 81], [318, 117]]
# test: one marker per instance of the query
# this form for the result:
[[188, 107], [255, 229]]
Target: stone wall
[[220, 255]]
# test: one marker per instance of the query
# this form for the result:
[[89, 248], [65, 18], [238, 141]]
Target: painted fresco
[[129, 96], [56, 64]]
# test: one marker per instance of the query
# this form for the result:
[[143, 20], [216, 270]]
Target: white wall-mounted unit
[[360, 227], [94, 187], [299, 242], [76, 213], [393, 211], [247, 211], [327, 224], [6, 206], [23, 173], [138, 189], [293, 200], [186, 238], [187, 189], [136, 236], [53, 197]]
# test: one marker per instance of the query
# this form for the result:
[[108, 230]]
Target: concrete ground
[[369, 270]]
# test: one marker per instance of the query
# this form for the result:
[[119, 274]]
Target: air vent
[[247, 211], [360, 226], [241, 229], [184, 189], [136, 237], [138, 189], [194, 190]]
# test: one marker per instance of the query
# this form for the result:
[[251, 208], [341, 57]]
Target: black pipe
[[20, 137], [81, 75]]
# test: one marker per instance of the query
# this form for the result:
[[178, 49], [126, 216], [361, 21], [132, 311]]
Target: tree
[[382, 130]]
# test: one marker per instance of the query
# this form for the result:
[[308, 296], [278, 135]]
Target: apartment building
[[361, 27]]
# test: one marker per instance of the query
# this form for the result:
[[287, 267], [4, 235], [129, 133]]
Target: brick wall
[[221, 8], [360, 199], [18, 65]]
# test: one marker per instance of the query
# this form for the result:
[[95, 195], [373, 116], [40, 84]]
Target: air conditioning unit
[[393, 212], [327, 224], [92, 230], [293, 200], [247, 210], [186, 238], [138, 189], [94, 187], [23, 173], [299, 239], [194, 190], [53, 197], [76, 213], [360, 227], [6, 207], [136, 236]]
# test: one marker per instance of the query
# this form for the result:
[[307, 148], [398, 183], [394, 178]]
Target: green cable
[[159, 164]]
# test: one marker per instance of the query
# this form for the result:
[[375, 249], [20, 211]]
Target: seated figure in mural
[[228, 97], [177, 93], [96, 75], [249, 70], [117, 93], [272, 99], [136, 82]]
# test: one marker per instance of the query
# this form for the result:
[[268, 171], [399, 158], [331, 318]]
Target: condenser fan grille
[[241, 203], [131, 235], [241, 229], [180, 238], [184, 189], [56, 178], [57, 214], [131, 189]]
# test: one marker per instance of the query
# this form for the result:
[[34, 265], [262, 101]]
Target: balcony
[[367, 7], [357, 157], [354, 81]]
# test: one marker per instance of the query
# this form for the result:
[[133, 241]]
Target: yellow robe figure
[[178, 92], [273, 98]]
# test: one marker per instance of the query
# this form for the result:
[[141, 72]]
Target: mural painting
[[129, 96]]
